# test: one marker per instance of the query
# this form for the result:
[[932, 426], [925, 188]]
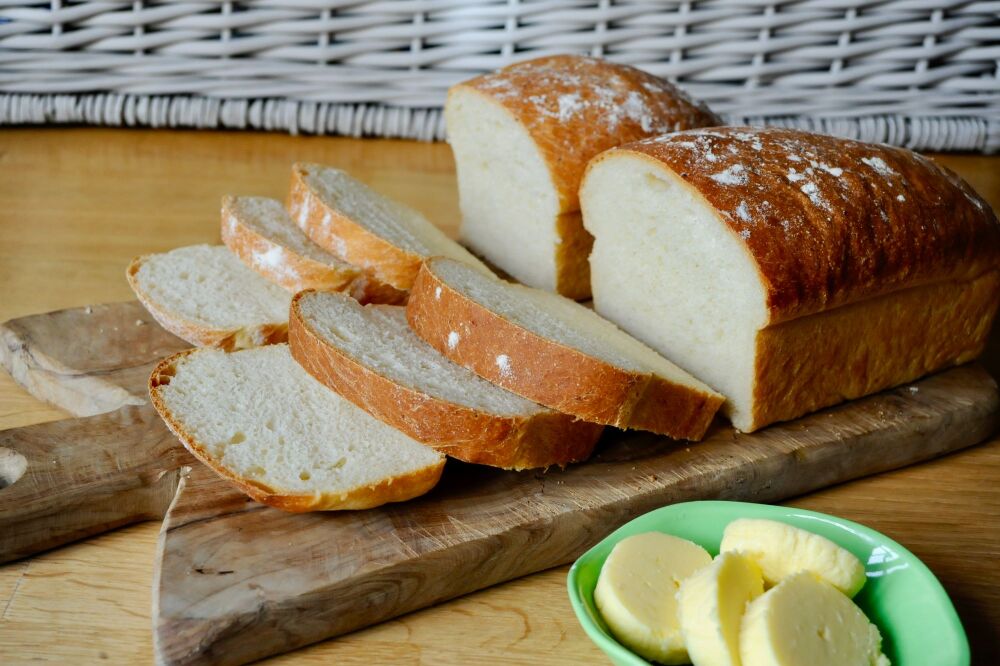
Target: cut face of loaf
[[521, 139], [555, 352], [260, 232], [788, 270], [369, 355], [205, 295], [346, 217], [260, 421]]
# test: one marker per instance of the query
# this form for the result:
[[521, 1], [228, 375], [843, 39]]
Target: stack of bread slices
[[350, 346]]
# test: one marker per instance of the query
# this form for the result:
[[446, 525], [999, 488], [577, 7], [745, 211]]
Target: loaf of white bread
[[522, 137], [788, 270]]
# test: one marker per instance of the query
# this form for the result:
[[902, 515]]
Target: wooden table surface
[[77, 204]]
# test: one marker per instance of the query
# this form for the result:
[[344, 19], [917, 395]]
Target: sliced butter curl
[[711, 606], [636, 593], [805, 620], [782, 550]]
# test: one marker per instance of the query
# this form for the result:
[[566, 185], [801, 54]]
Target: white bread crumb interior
[[379, 337], [208, 286], [701, 300], [508, 200], [262, 417]]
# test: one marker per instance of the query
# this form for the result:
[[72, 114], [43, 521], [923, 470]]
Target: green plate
[[902, 597]]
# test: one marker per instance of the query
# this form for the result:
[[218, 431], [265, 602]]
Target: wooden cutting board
[[237, 581]]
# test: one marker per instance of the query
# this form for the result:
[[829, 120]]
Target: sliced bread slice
[[369, 355], [260, 232], [556, 352], [260, 421], [205, 295], [346, 217]]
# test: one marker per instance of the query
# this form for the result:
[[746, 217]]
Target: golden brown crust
[[550, 373], [510, 442], [345, 238], [812, 362], [397, 489], [198, 334], [573, 257], [830, 221], [575, 107], [294, 271]]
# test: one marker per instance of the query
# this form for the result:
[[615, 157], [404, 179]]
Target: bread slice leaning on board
[[554, 351], [369, 355], [259, 420], [788, 270], [260, 232], [205, 295], [522, 137], [349, 219]]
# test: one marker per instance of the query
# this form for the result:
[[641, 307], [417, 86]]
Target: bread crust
[[296, 272], [346, 238], [199, 334], [550, 373], [510, 442], [397, 489], [575, 107], [573, 257], [869, 346], [830, 221]]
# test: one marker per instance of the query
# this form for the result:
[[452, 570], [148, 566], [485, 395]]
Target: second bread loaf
[[522, 137]]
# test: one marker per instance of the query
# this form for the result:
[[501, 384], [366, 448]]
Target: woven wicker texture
[[909, 72]]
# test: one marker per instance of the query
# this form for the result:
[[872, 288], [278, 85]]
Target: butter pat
[[782, 550], [711, 606], [636, 593], [805, 620]]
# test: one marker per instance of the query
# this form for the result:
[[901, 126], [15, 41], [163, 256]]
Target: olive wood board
[[237, 581]]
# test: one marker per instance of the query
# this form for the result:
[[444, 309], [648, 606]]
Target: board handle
[[71, 479]]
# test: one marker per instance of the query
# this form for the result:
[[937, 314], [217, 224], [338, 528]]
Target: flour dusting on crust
[[747, 160], [563, 93], [830, 220]]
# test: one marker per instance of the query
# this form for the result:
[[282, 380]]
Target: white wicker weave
[[909, 72]]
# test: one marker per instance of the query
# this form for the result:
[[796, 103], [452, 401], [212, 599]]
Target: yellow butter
[[782, 550], [805, 621], [636, 593], [711, 606]]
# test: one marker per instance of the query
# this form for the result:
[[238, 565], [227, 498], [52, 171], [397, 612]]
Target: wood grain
[[78, 204], [105, 367], [86, 476]]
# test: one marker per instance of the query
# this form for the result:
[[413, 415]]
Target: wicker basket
[[908, 72]]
